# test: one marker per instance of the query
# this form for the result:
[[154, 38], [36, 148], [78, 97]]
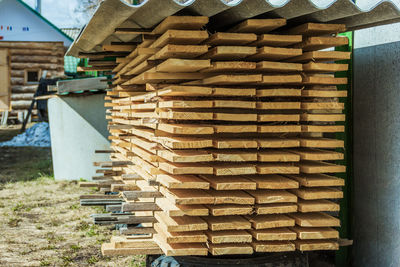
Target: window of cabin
[[32, 76]]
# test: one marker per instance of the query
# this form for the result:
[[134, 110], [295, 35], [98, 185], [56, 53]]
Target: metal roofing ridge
[[118, 11]]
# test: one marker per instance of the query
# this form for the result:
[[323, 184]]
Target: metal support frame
[[343, 256]]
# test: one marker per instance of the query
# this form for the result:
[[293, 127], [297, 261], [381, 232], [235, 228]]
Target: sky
[[63, 15]]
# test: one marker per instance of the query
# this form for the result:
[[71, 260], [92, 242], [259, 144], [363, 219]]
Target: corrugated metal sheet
[[112, 14]]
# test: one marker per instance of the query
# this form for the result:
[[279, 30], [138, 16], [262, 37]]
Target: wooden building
[[34, 46]]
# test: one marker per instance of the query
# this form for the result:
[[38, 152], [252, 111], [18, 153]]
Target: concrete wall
[[77, 128], [377, 154]]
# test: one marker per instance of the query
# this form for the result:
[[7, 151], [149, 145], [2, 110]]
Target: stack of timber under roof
[[225, 138]]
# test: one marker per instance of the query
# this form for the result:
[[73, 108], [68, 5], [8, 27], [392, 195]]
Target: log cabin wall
[[31, 57]]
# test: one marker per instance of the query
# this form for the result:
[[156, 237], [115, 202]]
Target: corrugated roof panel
[[112, 14]]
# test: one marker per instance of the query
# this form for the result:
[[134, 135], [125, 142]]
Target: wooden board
[[315, 219], [258, 25], [270, 221], [315, 232], [229, 236], [274, 234], [317, 205], [273, 246], [231, 249], [219, 223]]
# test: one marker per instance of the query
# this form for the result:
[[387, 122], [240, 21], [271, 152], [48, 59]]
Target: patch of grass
[[18, 207], [75, 247], [45, 263], [92, 260], [14, 222], [93, 231], [82, 226], [74, 206]]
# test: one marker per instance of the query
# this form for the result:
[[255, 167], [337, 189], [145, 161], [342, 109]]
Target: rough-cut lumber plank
[[180, 51], [316, 29], [315, 180], [275, 53], [308, 193], [270, 221], [279, 129], [317, 205], [258, 25], [181, 23], [277, 168], [319, 43], [193, 249], [232, 197], [278, 105], [229, 209], [320, 167], [322, 117], [324, 67], [185, 168], [325, 79], [182, 65], [230, 66], [218, 223], [315, 232], [321, 143], [322, 128], [232, 79], [187, 197], [315, 219], [230, 236], [173, 210], [223, 169], [309, 245], [278, 142], [279, 92], [277, 40], [230, 249], [323, 93], [271, 66], [181, 224], [183, 237], [267, 196], [229, 182], [234, 155], [229, 52], [108, 249], [182, 181], [273, 181], [282, 79], [180, 37], [185, 156], [275, 208], [277, 156], [229, 38], [273, 246], [273, 234], [321, 56]]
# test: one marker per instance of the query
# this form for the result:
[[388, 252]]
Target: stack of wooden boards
[[229, 138]]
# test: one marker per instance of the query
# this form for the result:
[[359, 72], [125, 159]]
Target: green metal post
[[343, 256]]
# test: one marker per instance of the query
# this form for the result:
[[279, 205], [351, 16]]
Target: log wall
[[31, 56]]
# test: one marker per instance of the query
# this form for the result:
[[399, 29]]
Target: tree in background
[[86, 8]]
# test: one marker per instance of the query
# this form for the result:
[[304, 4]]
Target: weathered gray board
[[77, 128], [86, 84], [377, 155]]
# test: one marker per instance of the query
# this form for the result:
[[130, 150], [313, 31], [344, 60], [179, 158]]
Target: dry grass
[[42, 224], [41, 221]]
